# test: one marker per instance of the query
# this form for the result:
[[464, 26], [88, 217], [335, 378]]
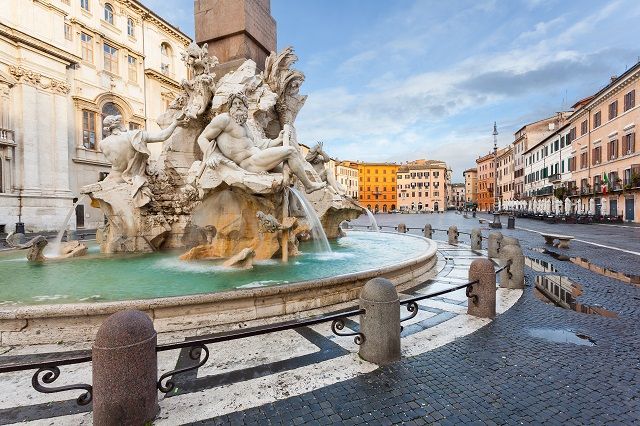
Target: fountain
[[213, 233], [55, 248], [372, 221]]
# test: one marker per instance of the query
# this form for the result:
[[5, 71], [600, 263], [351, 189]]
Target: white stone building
[[64, 65]]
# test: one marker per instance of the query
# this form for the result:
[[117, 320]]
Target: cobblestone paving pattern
[[500, 374]]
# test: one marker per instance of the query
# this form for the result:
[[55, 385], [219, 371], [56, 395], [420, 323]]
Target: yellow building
[[470, 187], [377, 183]]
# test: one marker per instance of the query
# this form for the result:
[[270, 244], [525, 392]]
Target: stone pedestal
[[510, 251], [402, 228], [381, 322], [427, 231], [125, 370], [476, 239], [452, 235], [494, 244]]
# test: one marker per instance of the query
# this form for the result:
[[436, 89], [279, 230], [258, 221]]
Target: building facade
[[347, 176], [486, 181], [470, 187], [377, 186], [64, 66], [423, 186], [458, 199], [606, 171], [505, 175]]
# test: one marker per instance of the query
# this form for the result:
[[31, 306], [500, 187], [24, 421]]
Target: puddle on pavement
[[561, 336], [539, 265], [562, 292], [581, 261]]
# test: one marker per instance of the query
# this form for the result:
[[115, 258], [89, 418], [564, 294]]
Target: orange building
[[377, 186], [486, 181]]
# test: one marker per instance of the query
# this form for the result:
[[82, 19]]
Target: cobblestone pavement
[[502, 373]]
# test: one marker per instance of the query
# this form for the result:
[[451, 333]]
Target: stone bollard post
[[513, 277], [125, 370], [476, 239], [494, 243], [402, 228], [453, 235], [427, 231], [485, 290], [380, 324]]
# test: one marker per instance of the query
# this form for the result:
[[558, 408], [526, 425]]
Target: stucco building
[[347, 175], [505, 175], [423, 185], [470, 187], [457, 199], [377, 186], [64, 65], [486, 181]]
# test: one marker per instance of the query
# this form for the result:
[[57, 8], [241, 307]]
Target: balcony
[[7, 137], [555, 178], [585, 190]]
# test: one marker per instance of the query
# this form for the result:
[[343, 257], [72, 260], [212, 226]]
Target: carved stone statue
[[201, 87], [268, 223], [318, 158], [127, 150], [228, 137]]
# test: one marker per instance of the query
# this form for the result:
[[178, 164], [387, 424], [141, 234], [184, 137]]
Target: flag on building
[[605, 179]]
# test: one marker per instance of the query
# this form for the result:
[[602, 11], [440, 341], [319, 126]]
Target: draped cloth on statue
[[138, 164]]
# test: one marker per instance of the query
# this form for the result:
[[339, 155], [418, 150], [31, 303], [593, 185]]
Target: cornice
[[51, 6], [151, 73], [23, 75], [19, 37], [149, 15]]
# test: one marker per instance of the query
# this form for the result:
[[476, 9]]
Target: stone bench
[[563, 240]]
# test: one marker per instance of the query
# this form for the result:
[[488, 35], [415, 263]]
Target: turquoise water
[[99, 278]]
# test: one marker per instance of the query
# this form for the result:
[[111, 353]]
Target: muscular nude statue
[[230, 134], [127, 150]]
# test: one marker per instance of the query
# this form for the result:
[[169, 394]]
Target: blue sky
[[407, 79]]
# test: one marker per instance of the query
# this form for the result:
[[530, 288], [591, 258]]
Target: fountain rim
[[107, 308]]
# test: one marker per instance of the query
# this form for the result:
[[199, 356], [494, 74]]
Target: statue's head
[[113, 122], [295, 81], [238, 107]]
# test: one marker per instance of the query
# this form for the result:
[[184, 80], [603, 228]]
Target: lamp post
[[496, 214]]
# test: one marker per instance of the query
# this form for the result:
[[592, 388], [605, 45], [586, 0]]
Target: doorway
[[628, 210]]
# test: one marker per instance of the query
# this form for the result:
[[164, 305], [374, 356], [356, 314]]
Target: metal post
[[125, 370], [496, 214], [380, 324]]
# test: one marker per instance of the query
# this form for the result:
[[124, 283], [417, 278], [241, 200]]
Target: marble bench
[[563, 240]]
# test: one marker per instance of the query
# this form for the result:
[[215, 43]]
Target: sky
[[407, 79]]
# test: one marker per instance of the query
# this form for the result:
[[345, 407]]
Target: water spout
[[317, 232], [54, 249], [372, 221]]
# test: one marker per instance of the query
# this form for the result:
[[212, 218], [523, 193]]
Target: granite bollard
[[510, 251], [125, 370], [380, 324], [402, 228], [476, 239], [482, 296], [427, 231], [494, 244], [453, 235]]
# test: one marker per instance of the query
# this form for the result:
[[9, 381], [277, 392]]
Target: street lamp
[[496, 214]]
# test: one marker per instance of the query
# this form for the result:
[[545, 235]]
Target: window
[[572, 135], [84, 4], [584, 160], [131, 28], [110, 59], [133, 68], [629, 100], [108, 13], [88, 129], [612, 149], [134, 126], [583, 127], [629, 144], [87, 47], [67, 32], [613, 110], [597, 119], [596, 155]]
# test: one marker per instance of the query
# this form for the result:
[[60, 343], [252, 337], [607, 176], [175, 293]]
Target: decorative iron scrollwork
[[51, 373], [412, 307], [194, 354], [474, 297], [338, 324]]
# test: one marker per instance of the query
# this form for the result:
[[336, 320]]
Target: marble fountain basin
[[67, 300]]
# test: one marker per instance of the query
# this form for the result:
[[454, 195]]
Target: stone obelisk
[[235, 30]]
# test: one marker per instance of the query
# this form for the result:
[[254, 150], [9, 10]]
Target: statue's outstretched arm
[[163, 135], [207, 139]]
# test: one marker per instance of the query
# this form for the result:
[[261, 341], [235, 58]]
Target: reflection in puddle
[[539, 265], [563, 292], [561, 336], [581, 261]]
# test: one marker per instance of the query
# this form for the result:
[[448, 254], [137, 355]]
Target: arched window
[[131, 28], [166, 58], [109, 108], [108, 13]]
